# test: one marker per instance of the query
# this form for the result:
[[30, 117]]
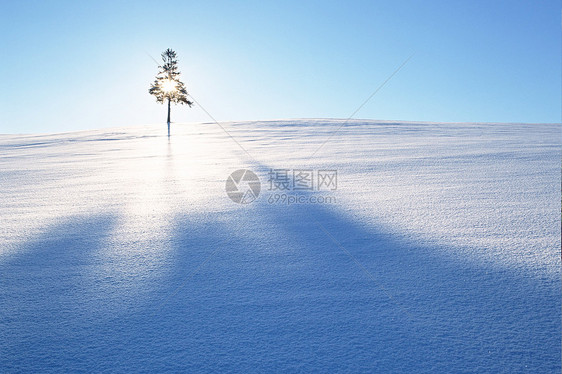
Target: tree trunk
[[168, 116]]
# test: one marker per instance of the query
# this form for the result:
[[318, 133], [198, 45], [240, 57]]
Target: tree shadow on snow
[[46, 296], [267, 289]]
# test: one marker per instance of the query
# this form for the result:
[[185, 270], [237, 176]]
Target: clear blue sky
[[69, 65]]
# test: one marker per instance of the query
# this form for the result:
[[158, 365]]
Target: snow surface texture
[[121, 252]]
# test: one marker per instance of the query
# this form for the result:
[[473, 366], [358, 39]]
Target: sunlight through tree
[[167, 85]]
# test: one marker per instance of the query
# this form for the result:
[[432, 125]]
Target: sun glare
[[169, 85]]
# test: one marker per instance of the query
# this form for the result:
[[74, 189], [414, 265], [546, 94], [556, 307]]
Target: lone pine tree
[[167, 85]]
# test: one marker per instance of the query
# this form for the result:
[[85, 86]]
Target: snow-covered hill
[[437, 250]]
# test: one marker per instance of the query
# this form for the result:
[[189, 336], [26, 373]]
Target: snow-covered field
[[120, 250]]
